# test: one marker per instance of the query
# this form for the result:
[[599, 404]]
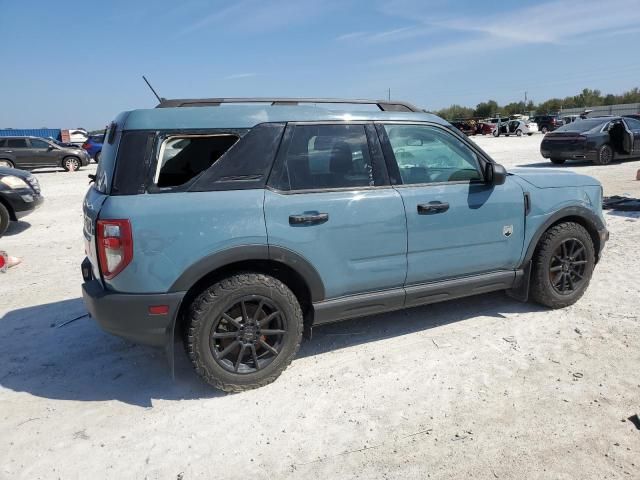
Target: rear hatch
[[99, 192]]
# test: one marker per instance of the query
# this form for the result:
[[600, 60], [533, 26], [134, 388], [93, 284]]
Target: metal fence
[[623, 109]]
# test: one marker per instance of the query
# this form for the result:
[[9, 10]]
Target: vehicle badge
[[507, 230]]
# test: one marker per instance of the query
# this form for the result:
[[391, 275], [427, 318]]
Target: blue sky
[[70, 64]]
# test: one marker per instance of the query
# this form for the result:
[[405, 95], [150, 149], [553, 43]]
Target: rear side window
[[3, 143], [16, 143], [181, 158], [326, 157]]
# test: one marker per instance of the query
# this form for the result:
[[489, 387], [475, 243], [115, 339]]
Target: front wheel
[[71, 164], [605, 155], [244, 331], [557, 161], [562, 265], [5, 218]]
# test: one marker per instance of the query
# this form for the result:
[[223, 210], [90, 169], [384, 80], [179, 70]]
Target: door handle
[[432, 208], [311, 218], [8, 151]]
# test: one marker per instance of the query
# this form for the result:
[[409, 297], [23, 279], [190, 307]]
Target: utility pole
[[525, 102], [389, 95]]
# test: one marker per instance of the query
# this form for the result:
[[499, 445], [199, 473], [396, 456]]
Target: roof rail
[[384, 105]]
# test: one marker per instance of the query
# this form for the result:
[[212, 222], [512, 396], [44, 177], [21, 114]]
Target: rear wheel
[[244, 331], [71, 164], [5, 218], [605, 155], [562, 265], [519, 133], [6, 163], [558, 161]]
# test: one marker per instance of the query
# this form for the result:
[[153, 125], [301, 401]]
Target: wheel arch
[[580, 215], [283, 264]]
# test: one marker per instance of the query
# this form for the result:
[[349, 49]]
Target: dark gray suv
[[29, 153]]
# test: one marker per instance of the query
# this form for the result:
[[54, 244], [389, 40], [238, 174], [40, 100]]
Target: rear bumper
[[127, 315], [567, 153]]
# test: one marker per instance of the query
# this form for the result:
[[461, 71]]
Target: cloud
[[387, 36], [254, 16], [236, 76], [554, 22]]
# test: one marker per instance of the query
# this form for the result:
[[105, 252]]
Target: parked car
[[547, 123], [273, 219], [599, 140], [484, 128], [78, 136], [468, 127], [512, 127], [19, 195], [93, 146], [30, 153]]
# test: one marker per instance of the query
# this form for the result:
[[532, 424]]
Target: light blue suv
[[235, 225]]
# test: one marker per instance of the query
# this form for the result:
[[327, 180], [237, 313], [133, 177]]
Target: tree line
[[586, 98]]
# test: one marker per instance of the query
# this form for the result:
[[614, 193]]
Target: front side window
[[39, 143], [181, 158], [327, 157], [17, 143], [426, 154]]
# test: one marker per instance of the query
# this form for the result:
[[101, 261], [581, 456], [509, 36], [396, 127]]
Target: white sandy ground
[[484, 387]]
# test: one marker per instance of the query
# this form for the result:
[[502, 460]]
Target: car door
[[42, 153], [634, 127], [329, 201], [20, 151], [457, 224]]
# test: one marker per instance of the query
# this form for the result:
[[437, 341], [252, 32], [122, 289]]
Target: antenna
[[154, 92]]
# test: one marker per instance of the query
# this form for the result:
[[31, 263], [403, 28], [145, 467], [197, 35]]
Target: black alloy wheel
[[567, 268], [248, 336]]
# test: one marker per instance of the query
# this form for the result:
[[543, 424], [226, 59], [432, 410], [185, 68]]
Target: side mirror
[[495, 174]]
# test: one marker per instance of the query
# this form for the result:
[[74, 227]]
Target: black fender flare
[[592, 221], [243, 253]]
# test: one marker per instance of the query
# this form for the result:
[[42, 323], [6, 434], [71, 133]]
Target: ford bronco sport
[[235, 225]]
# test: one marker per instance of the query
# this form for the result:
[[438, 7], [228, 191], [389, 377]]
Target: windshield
[[582, 125]]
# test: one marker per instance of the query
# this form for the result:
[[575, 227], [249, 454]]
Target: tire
[[605, 155], [5, 218], [544, 129], [96, 157], [495, 133], [519, 133], [558, 161], [229, 309], [71, 164], [530, 133], [6, 163], [562, 265]]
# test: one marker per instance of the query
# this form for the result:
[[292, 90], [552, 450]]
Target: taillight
[[115, 246], [86, 145]]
